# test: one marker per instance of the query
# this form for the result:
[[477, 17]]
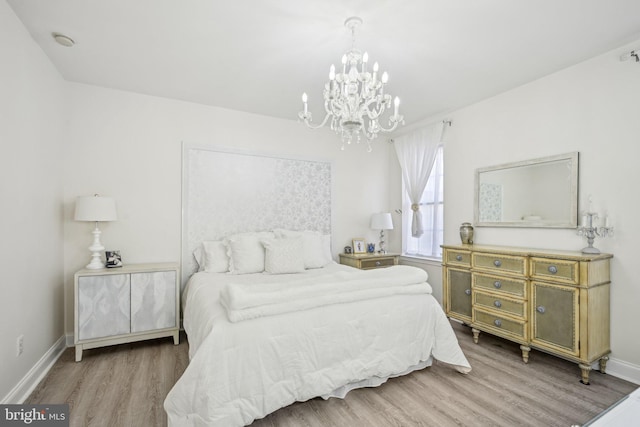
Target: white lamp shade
[[95, 208], [381, 221]]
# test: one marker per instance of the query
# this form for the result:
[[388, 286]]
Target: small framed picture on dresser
[[359, 247]]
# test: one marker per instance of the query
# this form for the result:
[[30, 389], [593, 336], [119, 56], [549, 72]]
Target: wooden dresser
[[553, 301]]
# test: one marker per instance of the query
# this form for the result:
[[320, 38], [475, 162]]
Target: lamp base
[[382, 250], [96, 249]]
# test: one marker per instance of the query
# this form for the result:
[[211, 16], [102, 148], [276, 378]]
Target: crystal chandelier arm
[[305, 116], [394, 121], [324, 122]]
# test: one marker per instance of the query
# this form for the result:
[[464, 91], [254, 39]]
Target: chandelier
[[354, 99]]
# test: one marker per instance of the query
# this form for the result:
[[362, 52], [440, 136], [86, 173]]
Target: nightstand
[[369, 261], [126, 304]]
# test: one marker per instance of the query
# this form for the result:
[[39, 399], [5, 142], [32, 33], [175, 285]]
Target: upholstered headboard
[[226, 192]]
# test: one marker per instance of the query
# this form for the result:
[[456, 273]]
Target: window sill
[[422, 259]]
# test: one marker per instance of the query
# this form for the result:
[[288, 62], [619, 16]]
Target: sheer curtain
[[416, 153]]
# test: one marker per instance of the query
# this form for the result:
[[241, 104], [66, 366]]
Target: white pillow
[[246, 252], [283, 255], [198, 254], [316, 247], [216, 259]]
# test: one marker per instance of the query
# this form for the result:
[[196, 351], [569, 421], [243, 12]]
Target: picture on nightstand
[[113, 259], [359, 247], [371, 247]]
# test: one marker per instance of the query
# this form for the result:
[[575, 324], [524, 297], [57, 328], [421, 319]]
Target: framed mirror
[[533, 193]]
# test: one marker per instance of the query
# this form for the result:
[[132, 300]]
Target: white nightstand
[[130, 303]]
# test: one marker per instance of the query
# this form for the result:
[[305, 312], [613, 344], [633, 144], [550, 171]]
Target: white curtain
[[416, 153]]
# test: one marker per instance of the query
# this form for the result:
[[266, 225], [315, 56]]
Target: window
[[432, 211]]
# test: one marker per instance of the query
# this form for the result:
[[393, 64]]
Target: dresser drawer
[[460, 258], [504, 285], [376, 263], [500, 304], [500, 325], [502, 263], [555, 270]]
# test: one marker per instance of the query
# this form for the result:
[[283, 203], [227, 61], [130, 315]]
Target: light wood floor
[[126, 386]]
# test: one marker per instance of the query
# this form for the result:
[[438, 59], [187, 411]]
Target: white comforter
[[245, 301], [242, 371]]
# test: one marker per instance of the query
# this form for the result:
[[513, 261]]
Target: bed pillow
[[316, 247], [246, 252], [216, 259], [284, 255], [198, 254]]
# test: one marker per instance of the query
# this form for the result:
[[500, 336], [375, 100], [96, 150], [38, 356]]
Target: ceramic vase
[[466, 233]]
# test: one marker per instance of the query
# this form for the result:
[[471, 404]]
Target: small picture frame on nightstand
[[113, 259], [359, 246]]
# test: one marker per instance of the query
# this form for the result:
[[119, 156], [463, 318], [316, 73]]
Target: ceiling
[[259, 56]]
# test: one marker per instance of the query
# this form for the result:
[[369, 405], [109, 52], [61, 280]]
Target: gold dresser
[[553, 301]]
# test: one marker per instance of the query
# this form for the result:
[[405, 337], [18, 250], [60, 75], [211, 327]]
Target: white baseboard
[[28, 383], [624, 370]]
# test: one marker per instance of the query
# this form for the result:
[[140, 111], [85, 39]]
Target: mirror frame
[[571, 222]]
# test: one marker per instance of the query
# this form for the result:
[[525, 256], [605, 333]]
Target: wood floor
[[126, 386]]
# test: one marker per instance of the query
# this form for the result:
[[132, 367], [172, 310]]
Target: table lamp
[[381, 221], [95, 209]]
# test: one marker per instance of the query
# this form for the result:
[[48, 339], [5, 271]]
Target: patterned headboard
[[226, 192]]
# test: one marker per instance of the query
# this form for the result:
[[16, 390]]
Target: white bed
[[321, 330], [243, 370]]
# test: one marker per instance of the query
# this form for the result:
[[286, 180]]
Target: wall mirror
[[532, 193]]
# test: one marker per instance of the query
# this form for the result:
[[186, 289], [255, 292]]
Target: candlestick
[[590, 230]]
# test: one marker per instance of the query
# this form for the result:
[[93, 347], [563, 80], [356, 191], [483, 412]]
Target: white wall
[[31, 122], [592, 108], [128, 146]]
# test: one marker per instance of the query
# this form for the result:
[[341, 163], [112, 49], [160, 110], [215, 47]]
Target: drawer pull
[[497, 303], [377, 263], [497, 263], [467, 291], [497, 284], [552, 269], [497, 322], [458, 257], [540, 309]]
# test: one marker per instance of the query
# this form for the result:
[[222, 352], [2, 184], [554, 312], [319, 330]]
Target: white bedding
[[245, 301], [242, 371]]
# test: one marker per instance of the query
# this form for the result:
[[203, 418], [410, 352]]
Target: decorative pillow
[[246, 252], [326, 248], [283, 255], [216, 259], [316, 247]]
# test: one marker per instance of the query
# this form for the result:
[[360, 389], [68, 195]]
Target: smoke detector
[[63, 40]]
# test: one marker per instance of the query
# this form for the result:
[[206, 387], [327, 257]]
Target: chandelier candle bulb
[[304, 102], [396, 104]]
